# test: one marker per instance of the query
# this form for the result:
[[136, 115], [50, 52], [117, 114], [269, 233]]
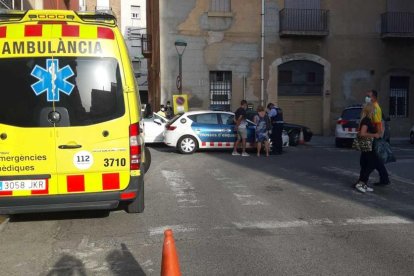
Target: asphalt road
[[294, 214]]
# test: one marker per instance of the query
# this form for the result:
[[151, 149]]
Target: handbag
[[363, 144], [383, 151]]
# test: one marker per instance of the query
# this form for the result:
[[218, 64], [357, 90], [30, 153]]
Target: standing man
[[241, 128], [276, 118], [372, 97]]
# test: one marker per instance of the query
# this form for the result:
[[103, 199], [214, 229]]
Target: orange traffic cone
[[170, 265], [301, 138]]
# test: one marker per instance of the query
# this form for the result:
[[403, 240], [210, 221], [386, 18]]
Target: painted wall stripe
[[105, 33], [70, 30], [110, 181], [75, 183], [3, 31], [33, 30]]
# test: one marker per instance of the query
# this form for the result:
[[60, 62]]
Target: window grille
[[399, 97], [220, 89], [398, 103], [220, 6]]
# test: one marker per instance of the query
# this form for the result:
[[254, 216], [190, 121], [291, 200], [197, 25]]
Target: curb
[[3, 222]]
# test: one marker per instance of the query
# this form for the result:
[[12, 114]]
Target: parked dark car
[[293, 130]]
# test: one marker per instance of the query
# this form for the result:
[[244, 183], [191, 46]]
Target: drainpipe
[[244, 87], [262, 56]]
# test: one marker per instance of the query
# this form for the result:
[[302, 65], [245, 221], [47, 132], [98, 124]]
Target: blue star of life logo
[[52, 80]]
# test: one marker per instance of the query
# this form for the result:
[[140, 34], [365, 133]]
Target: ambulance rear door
[[92, 146], [27, 139]]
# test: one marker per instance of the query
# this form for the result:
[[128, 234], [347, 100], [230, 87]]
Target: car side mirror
[[157, 121]]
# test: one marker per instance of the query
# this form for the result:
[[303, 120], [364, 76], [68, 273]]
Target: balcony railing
[[303, 22], [146, 42], [397, 24]]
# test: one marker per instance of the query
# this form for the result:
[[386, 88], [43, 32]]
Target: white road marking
[[240, 191], [176, 229], [377, 220], [277, 224], [344, 172], [274, 224], [183, 189]]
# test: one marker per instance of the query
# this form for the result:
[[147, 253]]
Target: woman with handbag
[[368, 160]]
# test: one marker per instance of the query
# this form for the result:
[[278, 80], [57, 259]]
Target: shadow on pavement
[[68, 266], [119, 262], [122, 262], [60, 216]]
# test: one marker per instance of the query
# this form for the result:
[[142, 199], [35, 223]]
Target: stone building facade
[[319, 56]]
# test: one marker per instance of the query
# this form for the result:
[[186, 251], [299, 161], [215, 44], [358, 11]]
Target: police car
[[347, 125], [207, 130]]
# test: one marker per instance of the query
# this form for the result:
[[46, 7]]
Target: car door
[[27, 142], [207, 129], [228, 132], [154, 128], [92, 139]]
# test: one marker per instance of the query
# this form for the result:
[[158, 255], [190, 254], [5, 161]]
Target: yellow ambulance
[[70, 122]]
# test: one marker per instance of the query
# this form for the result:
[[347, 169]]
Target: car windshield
[[87, 90], [351, 114]]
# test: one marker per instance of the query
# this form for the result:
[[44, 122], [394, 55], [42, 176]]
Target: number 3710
[[114, 162]]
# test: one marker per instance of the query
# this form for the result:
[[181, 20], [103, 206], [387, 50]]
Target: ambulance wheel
[[187, 144], [147, 163], [137, 206]]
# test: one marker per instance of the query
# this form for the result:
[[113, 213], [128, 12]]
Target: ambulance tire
[[187, 144], [147, 163], [137, 206]]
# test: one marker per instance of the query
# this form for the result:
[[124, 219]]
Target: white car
[[347, 125], [206, 130], [154, 127]]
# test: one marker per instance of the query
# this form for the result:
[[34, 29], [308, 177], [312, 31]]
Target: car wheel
[[137, 206], [187, 145], [147, 163], [294, 138], [412, 137]]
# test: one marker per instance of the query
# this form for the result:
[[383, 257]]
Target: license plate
[[23, 185], [352, 135]]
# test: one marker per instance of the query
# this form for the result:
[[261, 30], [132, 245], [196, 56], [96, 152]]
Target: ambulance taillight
[[134, 147]]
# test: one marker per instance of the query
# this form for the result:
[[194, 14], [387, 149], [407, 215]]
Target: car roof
[[196, 112]]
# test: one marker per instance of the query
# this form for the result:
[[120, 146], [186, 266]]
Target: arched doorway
[[302, 89]]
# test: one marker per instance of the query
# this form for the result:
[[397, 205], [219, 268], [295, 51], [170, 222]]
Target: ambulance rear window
[[84, 90]]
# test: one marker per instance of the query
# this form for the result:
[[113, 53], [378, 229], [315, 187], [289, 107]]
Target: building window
[[136, 12], [399, 96], [300, 78], [220, 90], [220, 6], [285, 76]]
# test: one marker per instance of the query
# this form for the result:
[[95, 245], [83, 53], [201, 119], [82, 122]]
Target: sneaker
[[361, 187], [235, 153], [245, 154], [368, 188]]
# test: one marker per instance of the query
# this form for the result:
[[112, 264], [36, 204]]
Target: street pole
[[180, 46], [180, 73]]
